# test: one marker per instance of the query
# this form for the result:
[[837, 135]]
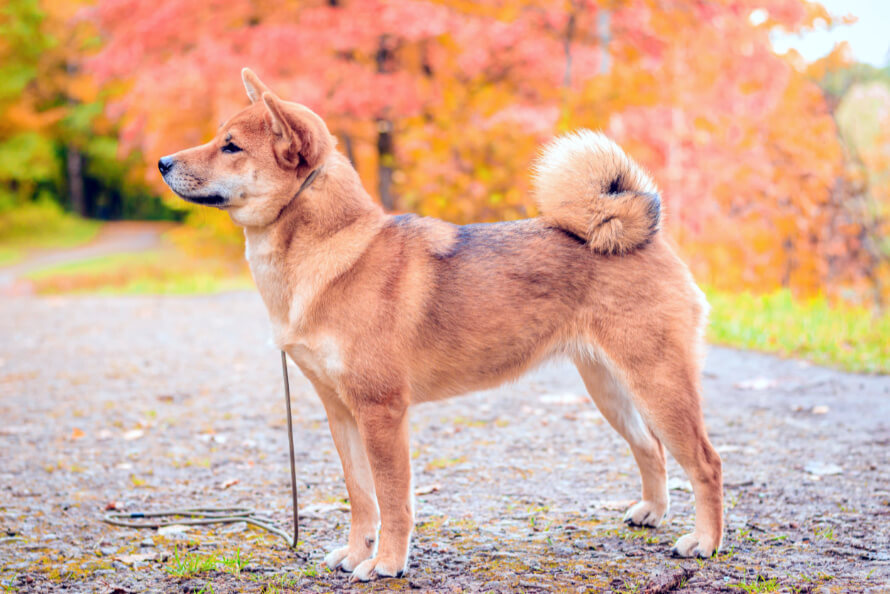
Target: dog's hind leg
[[359, 485], [615, 403], [666, 390]]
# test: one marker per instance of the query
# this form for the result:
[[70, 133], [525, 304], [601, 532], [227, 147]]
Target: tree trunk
[[385, 144], [567, 49], [74, 166], [76, 194], [347, 146], [384, 163], [604, 19]]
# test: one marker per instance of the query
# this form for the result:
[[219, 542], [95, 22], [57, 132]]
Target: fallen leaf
[[113, 505], [228, 483], [173, 529], [620, 505], [208, 437], [819, 468], [757, 383], [426, 490], [77, 434], [133, 434], [137, 558], [316, 510], [678, 484], [564, 398]]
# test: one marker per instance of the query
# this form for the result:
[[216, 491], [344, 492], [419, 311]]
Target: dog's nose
[[165, 164]]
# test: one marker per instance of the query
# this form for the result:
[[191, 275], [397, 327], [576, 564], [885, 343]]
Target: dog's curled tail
[[586, 185]]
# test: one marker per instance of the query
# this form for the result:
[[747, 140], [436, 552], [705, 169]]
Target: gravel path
[[147, 403]]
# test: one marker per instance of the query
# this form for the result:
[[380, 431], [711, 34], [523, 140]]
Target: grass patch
[[41, 225], [185, 564], [839, 335], [165, 271], [760, 585]]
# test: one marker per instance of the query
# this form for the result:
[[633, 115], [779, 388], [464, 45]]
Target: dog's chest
[[319, 354], [261, 258], [270, 282]]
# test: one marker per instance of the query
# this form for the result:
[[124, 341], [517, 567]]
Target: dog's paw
[[645, 513], [378, 567], [344, 559], [694, 545]]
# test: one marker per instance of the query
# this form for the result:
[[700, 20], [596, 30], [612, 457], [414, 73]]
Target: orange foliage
[[740, 139]]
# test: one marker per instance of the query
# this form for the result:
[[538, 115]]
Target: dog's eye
[[231, 148]]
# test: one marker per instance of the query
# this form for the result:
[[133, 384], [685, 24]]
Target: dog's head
[[258, 160]]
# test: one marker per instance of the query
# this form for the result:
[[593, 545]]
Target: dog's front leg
[[384, 431], [359, 485]]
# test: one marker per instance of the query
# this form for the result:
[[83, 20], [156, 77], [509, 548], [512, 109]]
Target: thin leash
[[197, 516]]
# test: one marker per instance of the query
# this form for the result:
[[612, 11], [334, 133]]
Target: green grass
[[41, 225], [838, 335], [98, 265], [185, 564], [761, 585], [10, 255], [164, 271]]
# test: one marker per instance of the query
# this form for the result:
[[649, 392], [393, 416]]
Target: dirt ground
[[150, 403]]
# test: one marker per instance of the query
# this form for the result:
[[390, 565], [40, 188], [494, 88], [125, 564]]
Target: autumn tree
[[443, 105]]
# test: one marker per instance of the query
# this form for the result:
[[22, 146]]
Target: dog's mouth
[[214, 200]]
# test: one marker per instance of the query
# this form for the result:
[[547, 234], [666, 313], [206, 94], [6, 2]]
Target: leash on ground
[[197, 516]]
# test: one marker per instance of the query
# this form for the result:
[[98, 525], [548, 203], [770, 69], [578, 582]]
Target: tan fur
[[381, 312], [587, 185]]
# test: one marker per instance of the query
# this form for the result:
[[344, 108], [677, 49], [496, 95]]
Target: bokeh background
[[765, 122]]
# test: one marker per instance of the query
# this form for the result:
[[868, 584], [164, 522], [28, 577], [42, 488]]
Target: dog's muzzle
[[176, 181]]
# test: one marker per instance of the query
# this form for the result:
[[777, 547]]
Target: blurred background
[[765, 122]]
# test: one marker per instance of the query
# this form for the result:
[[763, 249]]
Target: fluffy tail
[[586, 185]]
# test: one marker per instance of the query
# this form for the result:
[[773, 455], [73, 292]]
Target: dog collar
[[308, 181]]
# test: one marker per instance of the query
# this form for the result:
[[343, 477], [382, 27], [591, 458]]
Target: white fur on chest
[[319, 356], [260, 257]]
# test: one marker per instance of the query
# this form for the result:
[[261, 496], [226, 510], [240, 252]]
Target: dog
[[381, 312]]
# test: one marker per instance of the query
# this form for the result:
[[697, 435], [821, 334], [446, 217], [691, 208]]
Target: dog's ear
[[253, 85], [302, 140]]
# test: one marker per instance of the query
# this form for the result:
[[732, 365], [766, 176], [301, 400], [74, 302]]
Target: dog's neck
[[318, 236]]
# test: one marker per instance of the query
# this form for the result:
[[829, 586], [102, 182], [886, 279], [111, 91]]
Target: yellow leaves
[[82, 88], [24, 116]]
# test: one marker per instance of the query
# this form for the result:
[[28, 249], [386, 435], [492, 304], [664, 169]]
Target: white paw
[[345, 560], [694, 545], [645, 513], [377, 567]]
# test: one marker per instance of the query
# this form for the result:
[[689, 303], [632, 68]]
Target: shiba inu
[[381, 312]]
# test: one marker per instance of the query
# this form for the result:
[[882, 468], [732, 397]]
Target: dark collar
[[308, 181]]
